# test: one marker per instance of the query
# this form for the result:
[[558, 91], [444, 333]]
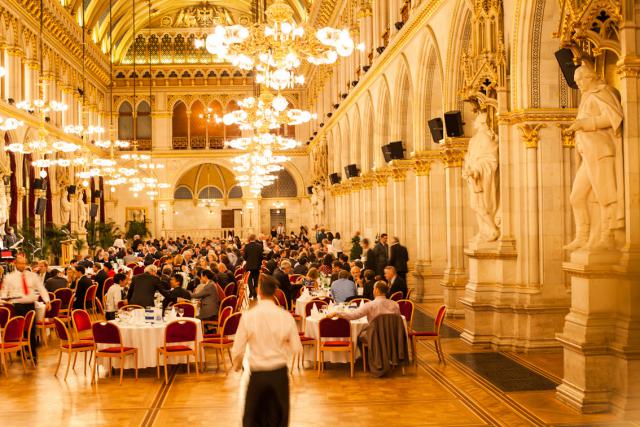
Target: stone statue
[[82, 213], [480, 171], [65, 207], [4, 208], [597, 128], [314, 206]]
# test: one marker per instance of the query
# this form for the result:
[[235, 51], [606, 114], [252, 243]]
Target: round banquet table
[[147, 338]]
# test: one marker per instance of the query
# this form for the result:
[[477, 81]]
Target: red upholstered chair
[[281, 299], [175, 335], [359, 300], [406, 309], [189, 310], [5, 315], [132, 265], [409, 292], [434, 336], [29, 318], [82, 325], [65, 295], [224, 314], [238, 271], [156, 263], [230, 289], [138, 269], [220, 291], [396, 296], [296, 279], [47, 322], [334, 328], [320, 304], [109, 334], [69, 346], [128, 307], [223, 342], [105, 288], [12, 341], [10, 307], [89, 304]]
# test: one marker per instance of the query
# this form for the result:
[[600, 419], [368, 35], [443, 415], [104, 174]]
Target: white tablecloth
[[311, 329], [147, 338], [304, 299], [41, 308]]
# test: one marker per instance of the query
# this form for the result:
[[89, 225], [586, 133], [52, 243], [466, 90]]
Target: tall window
[[143, 124], [125, 122]]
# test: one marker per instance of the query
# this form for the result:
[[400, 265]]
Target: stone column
[[381, 177], [454, 279], [399, 203]]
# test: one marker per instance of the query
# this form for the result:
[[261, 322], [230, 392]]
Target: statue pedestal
[[427, 283], [601, 336]]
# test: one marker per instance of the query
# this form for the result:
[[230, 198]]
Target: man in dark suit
[[177, 291], [396, 283], [399, 258], [144, 287], [57, 281], [80, 283], [281, 274], [253, 254], [224, 276], [101, 276], [381, 255]]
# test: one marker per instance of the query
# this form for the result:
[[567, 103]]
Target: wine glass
[[180, 311]]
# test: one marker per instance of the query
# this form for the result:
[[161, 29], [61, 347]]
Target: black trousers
[[267, 402], [254, 276], [22, 310]]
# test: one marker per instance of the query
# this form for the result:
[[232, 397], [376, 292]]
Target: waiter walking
[[272, 336], [22, 288]]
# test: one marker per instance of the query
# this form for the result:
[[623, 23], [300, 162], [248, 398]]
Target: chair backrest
[[230, 301], [188, 308], [91, 293], [440, 318], [230, 289], [309, 306], [105, 287], [220, 291], [334, 328], [81, 320], [138, 269], [61, 330], [238, 270], [29, 318], [5, 315], [409, 292], [224, 314], [156, 263], [406, 309], [281, 298], [296, 278], [132, 265], [359, 300], [13, 330], [298, 293], [65, 295], [54, 309], [180, 331], [397, 296], [106, 333], [231, 324], [52, 296], [128, 307]]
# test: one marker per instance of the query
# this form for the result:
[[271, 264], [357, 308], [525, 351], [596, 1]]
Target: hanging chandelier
[[274, 142], [275, 49]]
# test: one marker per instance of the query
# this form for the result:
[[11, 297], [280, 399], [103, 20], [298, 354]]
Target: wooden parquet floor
[[430, 395]]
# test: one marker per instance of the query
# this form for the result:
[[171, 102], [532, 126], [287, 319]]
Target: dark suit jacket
[[149, 259], [81, 287], [300, 269], [143, 289], [225, 278], [399, 257], [99, 278], [367, 291], [55, 283], [380, 257], [171, 296], [398, 285], [253, 254], [370, 263], [284, 282]]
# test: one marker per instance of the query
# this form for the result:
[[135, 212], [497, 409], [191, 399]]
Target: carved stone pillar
[[14, 70], [22, 192], [399, 203], [381, 178]]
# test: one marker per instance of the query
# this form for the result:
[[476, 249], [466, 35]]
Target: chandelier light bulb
[[43, 174]]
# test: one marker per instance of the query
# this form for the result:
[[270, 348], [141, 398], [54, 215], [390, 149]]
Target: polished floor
[[465, 392]]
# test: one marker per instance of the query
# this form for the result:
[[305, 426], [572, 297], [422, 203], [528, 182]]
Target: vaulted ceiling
[[188, 15]]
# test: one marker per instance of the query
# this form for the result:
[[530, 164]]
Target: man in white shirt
[[114, 295], [22, 288], [272, 335]]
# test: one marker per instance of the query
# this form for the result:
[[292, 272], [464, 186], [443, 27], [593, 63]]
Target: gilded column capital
[[531, 133], [355, 184], [381, 177], [630, 67], [367, 180], [452, 157], [568, 137], [422, 167]]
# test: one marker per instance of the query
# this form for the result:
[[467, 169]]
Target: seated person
[[207, 293], [177, 291], [224, 275], [343, 288], [396, 283], [380, 305], [114, 295], [57, 281], [144, 287], [368, 283], [311, 279]]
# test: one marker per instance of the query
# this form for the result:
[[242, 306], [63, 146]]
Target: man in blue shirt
[[343, 288]]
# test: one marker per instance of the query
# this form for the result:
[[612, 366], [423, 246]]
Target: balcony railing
[[197, 143]]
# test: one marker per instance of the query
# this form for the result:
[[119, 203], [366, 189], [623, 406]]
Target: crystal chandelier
[[277, 47], [274, 142]]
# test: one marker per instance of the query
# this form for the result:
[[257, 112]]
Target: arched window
[[210, 192], [180, 126], [197, 125], [143, 121], [183, 193], [233, 131], [235, 192], [216, 130], [285, 186], [125, 122]]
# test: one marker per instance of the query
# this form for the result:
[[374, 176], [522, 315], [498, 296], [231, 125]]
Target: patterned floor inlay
[[503, 372]]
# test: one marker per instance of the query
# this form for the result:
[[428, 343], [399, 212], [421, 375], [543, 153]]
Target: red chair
[[223, 342], [47, 322], [230, 289], [12, 341], [220, 291], [296, 279], [82, 325], [180, 331], [359, 300], [138, 269], [109, 334], [10, 307], [68, 346], [189, 310], [132, 265], [281, 299], [89, 299], [397, 296], [5, 315], [224, 314], [65, 295], [409, 292], [105, 288], [29, 318], [238, 271], [319, 304], [406, 309], [434, 336], [335, 328], [156, 263]]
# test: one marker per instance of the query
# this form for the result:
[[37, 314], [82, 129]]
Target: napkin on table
[[314, 311]]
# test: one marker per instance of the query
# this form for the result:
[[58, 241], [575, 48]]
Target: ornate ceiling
[[186, 16]]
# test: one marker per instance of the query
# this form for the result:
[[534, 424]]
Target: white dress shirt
[[114, 296], [13, 288], [271, 334]]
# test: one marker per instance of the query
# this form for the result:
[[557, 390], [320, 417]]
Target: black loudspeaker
[[396, 149], [380, 49], [335, 178], [351, 171], [453, 122], [309, 190], [386, 152], [437, 130], [39, 184], [399, 25], [71, 189], [565, 61], [97, 194], [41, 206], [93, 210]]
